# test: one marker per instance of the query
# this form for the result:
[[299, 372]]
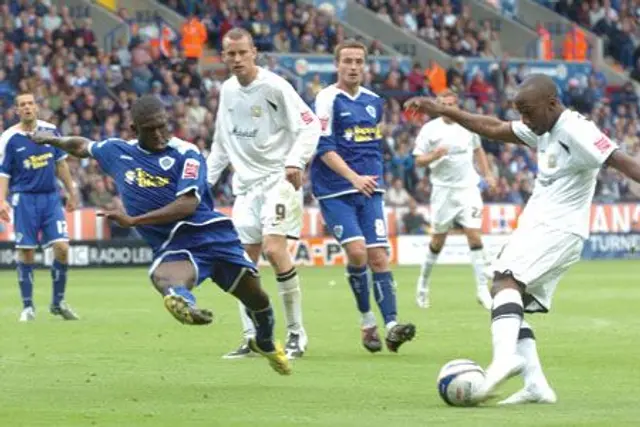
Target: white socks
[[289, 289], [506, 318]]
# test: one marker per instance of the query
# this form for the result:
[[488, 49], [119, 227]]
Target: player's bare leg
[[248, 329], [276, 251], [175, 280], [259, 309], [26, 259], [506, 320], [385, 295], [536, 387], [424, 282], [358, 278], [479, 263], [59, 306]]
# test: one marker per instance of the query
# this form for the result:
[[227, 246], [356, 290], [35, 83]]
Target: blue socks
[[59, 277], [183, 292], [264, 320], [25, 280], [358, 278], [385, 294]]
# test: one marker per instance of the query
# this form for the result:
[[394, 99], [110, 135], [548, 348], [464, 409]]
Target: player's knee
[[61, 252], [473, 238], [250, 292], [275, 250], [27, 256], [437, 242], [378, 259], [505, 280], [356, 253]]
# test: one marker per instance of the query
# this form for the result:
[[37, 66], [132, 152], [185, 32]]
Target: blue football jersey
[[351, 126], [31, 168], [148, 181]]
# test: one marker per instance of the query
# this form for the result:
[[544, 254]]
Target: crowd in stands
[[617, 22], [88, 91]]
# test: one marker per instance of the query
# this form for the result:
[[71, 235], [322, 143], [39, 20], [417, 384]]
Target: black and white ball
[[457, 380]]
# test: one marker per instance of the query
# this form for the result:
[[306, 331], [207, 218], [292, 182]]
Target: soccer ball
[[457, 380]]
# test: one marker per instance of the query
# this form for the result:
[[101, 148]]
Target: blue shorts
[[222, 259], [356, 217], [35, 213]]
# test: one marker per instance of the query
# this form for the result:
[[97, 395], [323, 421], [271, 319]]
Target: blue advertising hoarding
[[306, 67], [612, 246]]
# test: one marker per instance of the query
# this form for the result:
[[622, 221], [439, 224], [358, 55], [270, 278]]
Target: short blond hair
[[349, 44], [238, 33]]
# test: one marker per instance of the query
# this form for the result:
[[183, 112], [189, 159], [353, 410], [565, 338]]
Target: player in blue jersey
[[162, 182], [346, 176], [28, 175]]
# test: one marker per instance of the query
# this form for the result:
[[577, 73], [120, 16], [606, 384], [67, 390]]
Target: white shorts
[[537, 257], [271, 208], [455, 205]]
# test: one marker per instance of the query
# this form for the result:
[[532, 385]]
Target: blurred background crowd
[[88, 91]]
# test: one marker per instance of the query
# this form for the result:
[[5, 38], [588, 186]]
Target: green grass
[[128, 363]]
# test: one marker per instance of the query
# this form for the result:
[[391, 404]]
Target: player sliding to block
[[552, 228], [162, 182], [448, 150], [346, 179]]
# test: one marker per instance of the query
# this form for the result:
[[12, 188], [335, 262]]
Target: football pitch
[[128, 363]]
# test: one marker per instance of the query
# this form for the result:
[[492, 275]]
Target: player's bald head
[[146, 107], [538, 103], [537, 88]]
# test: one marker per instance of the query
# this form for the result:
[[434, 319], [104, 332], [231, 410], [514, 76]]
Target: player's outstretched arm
[[487, 126], [625, 163], [184, 206], [75, 145]]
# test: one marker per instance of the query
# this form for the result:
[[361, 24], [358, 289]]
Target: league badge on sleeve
[[191, 169]]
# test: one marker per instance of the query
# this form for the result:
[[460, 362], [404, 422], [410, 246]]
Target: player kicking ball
[[30, 172], [449, 150], [346, 179], [551, 230], [268, 134], [162, 182]]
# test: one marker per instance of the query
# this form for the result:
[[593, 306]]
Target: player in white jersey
[[268, 134], [552, 228], [449, 151]]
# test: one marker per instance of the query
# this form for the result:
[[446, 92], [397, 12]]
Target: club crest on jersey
[[256, 111], [166, 162], [552, 161], [371, 110], [337, 231], [19, 237]]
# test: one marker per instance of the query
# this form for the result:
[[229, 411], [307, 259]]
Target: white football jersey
[[456, 168], [261, 128], [570, 156]]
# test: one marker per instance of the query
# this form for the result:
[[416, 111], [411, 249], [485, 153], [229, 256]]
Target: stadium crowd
[[87, 91]]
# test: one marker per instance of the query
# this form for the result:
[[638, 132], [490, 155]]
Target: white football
[[457, 380]]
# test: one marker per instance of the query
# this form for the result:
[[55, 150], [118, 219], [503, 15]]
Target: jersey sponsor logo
[[244, 133], [166, 162], [307, 117], [363, 134], [603, 144], [191, 169], [144, 179], [37, 161]]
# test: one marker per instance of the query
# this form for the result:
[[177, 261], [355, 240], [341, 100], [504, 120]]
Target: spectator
[[413, 221]]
